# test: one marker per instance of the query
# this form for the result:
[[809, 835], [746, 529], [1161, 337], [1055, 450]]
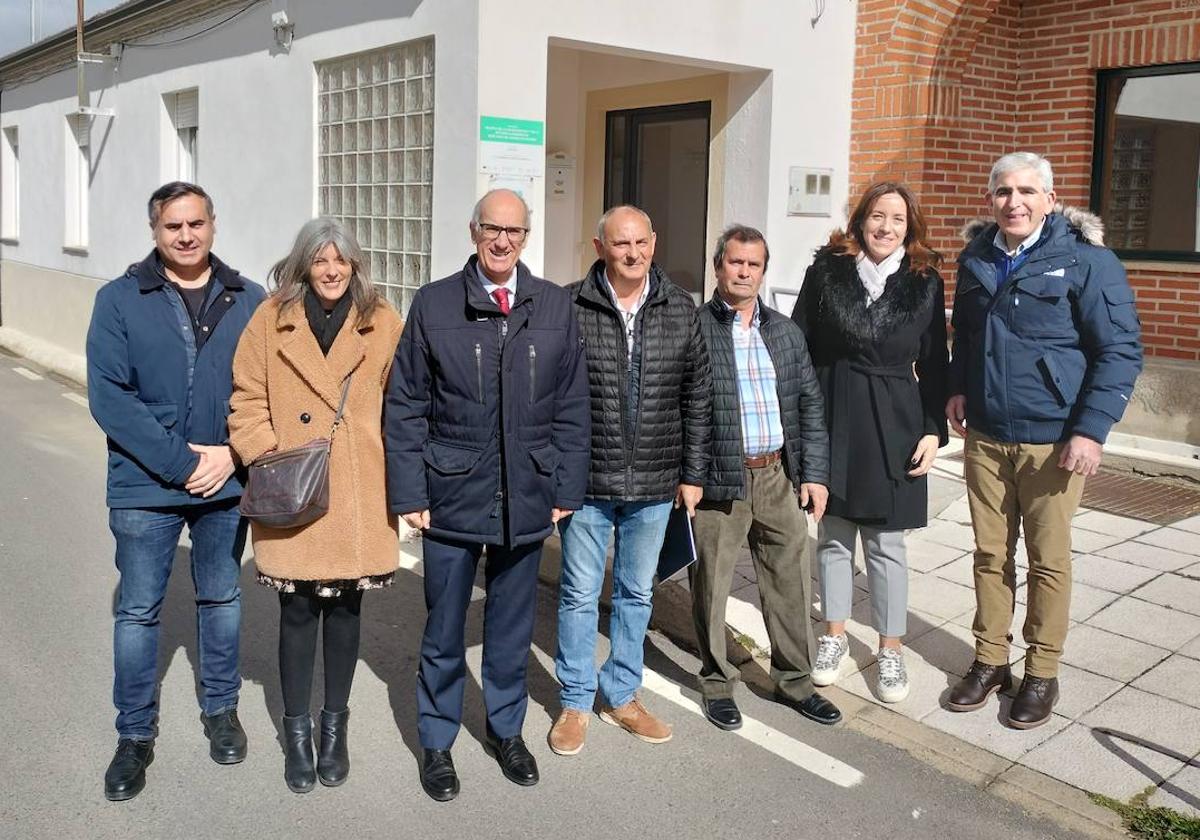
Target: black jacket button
[[305, 417]]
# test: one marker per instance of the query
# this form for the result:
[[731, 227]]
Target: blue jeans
[[640, 527], [146, 543]]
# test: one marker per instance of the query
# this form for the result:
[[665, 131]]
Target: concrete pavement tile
[[1087, 542], [988, 728], [1109, 574], [927, 685], [1108, 523], [1174, 591], [1079, 691], [1077, 756], [1191, 649], [1177, 677], [1110, 655], [1148, 623], [1148, 556], [952, 534], [939, 597], [957, 511], [960, 571], [924, 556], [745, 618], [1156, 720], [1192, 524], [1085, 600], [1176, 539], [949, 648], [1180, 792]]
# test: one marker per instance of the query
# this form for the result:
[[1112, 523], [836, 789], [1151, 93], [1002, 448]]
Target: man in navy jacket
[[160, 372], [1046, 351], [487, 434]]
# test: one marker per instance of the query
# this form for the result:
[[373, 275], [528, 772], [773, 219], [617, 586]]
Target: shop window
[[375, 159], [1146, 170]]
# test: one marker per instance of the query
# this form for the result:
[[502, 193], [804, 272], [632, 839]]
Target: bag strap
[[341, 407]]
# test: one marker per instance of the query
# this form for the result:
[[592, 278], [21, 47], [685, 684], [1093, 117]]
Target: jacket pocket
[[1040, 308], [450, 460], [167, 414], [479, 372], [532, 374], [1062, 384], [546, 459], [1121, 311]]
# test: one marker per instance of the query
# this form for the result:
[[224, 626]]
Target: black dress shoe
[[515, 760], [723, 713], [438, 776], [298, 769], [814, 707], [1034, 702], [980, 683], [226, 738], [333, 756], [126, 774]]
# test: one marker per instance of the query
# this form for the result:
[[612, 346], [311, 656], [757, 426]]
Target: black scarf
[[326, 324]]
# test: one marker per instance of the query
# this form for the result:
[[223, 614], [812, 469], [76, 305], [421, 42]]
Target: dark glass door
[[657, 159]]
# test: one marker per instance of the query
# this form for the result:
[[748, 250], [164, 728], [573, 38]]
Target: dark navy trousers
[[508, 614]]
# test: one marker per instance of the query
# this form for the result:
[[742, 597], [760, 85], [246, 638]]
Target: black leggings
[[299, 617]]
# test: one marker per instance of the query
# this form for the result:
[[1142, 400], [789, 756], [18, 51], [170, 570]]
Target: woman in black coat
[[872, 308]]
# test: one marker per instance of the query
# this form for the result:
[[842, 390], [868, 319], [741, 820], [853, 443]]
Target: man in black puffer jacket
[[769, 444], [650, 397]]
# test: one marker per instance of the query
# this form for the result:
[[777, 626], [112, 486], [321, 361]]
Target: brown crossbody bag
[[291, 488]]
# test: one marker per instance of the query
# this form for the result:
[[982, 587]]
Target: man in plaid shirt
[[769, 446]]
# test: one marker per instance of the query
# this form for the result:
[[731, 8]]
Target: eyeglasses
[[516, 235]]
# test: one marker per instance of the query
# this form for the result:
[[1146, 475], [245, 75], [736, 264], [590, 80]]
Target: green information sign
[[508, 130]]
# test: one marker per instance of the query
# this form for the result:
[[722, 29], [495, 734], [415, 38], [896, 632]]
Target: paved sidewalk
[[1129, 716]]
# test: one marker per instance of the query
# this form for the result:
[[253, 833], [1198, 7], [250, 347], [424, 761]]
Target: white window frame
[[77, 180], [375, 159], [180, 136], [10, 184]]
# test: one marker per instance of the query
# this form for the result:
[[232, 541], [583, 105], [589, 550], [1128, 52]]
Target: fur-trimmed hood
[[1088, 226]]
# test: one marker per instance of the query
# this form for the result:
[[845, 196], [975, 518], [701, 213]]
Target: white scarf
[[874, 277]]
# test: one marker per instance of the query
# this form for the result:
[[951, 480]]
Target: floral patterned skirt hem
[[326, 588]]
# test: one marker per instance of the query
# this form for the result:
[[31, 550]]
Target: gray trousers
[[771, 520], [887, 573]]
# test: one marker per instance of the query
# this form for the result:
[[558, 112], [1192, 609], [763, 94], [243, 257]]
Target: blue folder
[[679, 546]]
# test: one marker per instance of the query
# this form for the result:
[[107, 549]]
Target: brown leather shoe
[[980, 683], [636, 719], [1034, 703], [569, 731]]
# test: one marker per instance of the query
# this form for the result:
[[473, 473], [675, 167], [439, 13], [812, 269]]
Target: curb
[[1037, 793]]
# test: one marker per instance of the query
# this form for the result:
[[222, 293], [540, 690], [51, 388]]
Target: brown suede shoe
[[980, 683], [1034, 702], [636, 719], [569, 731]]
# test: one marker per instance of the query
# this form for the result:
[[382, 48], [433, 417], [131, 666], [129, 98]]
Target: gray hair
[[744, 234], [612, 211], [289, 278], [1015, 161], [477, 213]]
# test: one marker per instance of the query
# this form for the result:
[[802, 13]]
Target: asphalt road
[[783, 777]]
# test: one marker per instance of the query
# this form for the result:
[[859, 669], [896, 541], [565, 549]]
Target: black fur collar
[[842, 300]]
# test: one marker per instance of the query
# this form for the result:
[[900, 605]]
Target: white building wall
[[800, 97], [257, 133]]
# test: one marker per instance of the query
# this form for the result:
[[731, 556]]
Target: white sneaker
[[831, 653], [893, 677]]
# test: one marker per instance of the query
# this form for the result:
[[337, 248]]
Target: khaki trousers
[[1010, 485], [771, 520]]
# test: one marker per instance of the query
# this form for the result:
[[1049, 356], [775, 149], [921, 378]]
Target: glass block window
[[375, 159]]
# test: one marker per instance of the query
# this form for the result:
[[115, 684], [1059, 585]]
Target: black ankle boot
[[333, 756], [298, 770]]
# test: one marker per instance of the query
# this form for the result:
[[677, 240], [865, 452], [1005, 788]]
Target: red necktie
[[501, 296]]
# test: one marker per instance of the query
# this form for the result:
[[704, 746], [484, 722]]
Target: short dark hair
[[744, 234], [169, 192]]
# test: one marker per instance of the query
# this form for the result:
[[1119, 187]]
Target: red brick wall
[[944, 87]]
